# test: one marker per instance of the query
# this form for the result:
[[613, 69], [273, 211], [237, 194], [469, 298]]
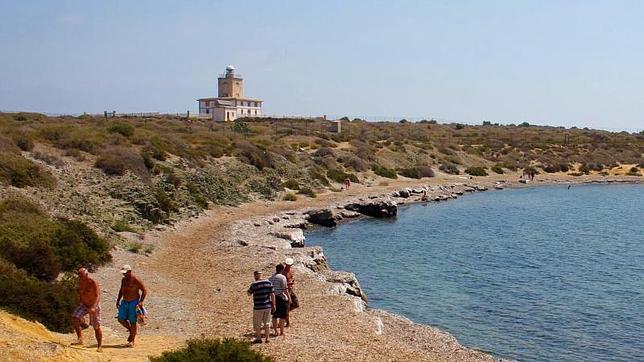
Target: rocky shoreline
[[285, 231]]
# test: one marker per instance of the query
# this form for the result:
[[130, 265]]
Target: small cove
[[544, 273]]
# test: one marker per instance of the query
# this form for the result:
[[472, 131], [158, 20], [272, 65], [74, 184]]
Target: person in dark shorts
[[280, 287], [263, 305]]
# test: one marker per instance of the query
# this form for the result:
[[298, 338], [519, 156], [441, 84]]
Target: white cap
[[126, 268], [289, 261]]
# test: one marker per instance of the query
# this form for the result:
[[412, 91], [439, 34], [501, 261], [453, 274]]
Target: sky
[[564, 63]]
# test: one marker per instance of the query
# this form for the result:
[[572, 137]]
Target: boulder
[[404, 193], [322, 217], [381, 208], [295, 236], [349, 283]]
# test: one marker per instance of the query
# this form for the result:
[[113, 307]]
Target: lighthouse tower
[[230, 85], [230, 102]]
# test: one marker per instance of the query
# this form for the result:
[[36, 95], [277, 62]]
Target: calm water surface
[[539, 274]]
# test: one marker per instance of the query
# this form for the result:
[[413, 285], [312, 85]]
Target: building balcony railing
[[234, 75]]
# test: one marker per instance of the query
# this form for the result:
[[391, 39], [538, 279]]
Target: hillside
[[132, 173]]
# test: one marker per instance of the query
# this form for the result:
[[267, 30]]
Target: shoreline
[[201, 268]]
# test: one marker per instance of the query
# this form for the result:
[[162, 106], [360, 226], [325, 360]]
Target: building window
[[255, 112]]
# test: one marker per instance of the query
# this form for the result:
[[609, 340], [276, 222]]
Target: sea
[[548, 273]]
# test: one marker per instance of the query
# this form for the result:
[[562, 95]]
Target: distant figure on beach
[[347, 183], [290, 282], [280, 287], [133, 294], [424, 198], [569, 187], [90, 303], [263, 305]]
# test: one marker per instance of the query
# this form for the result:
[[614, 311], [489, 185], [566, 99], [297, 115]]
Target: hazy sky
[[546, 62]]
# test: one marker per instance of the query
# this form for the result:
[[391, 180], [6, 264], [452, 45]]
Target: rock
[[257, 224], [350, 214], [241, 242], [498, 187], [382, 208], [322, 217], [296, 225], [295, 236], [404, 193], [349, 282], [276, 219], [315, 260]]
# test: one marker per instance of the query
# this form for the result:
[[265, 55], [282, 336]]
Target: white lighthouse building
[[230, 102]]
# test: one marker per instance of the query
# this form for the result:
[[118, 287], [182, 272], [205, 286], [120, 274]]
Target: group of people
[[129, 304], [273, 299]]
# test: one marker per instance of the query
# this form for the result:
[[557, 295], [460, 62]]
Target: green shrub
[[384, 172], [411, 172], [476, 171], [307, 191], [43, 246], [120, 226], [75, 153], [48, 303], [584, 169], [498, 169], [23, 141], [449, 168], [290, 196], [291, 184], [135, 247], [18, 171], [634, 171], [116, 161], [208, 350], [336, 175], [124, 129], [425, 171], [575, 174]]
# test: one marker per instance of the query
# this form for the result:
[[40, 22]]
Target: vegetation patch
[[449, 168], [34, 250], [385, 172], [476, 171], [209, 350], [18, 171]]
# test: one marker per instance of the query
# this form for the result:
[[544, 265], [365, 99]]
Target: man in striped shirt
[[263, 305]]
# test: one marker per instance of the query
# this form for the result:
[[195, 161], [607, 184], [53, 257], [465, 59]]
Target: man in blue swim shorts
[[133, 294]]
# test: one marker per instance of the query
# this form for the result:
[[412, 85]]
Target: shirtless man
[[133, 293], [89, 296]]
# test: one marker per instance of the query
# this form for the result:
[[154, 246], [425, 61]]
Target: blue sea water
[[535, 274]]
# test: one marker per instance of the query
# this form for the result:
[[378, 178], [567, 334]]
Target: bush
[[384, 172], [48, 303], [253, 155], [498, 169], [584, 169], [207, 350], [290, 196], [291, 184], [23, 141], [307, 191], [42, 246], [449, 168], [75, 153], [425, 171], [476, 171], [124, 129], [118, 160], [417, 172], [120, 226], [634, 171], [18, 171]]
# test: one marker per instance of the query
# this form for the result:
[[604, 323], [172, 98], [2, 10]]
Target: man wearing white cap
[[133, 293]]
